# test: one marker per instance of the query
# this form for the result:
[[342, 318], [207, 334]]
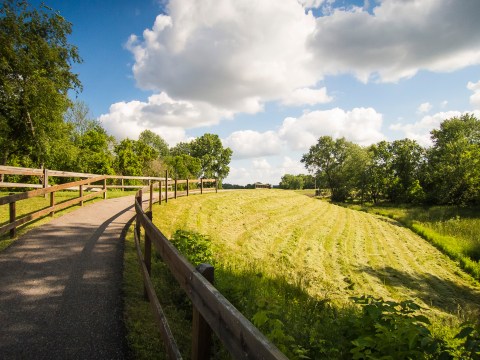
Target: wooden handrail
[[237, 333], [12, 199]]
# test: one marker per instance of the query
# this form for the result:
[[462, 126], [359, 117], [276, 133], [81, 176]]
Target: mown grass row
[[453, 230], [292, 265]]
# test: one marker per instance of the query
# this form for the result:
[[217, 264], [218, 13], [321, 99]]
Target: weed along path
[[329, 251], [60, 286]]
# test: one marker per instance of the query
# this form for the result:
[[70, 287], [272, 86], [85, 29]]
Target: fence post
[[216, 185], [160, 192], [151, 197], [123, 189], [175, 188], [188, 186], [52, 202], [45, 179], [201, 186], [148, 254], [201, 331], [105, 189], [81, 195], [166, 186], [137, 225], [13, 215]]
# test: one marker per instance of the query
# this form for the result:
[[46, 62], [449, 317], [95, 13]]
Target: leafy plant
[[392, 330], [194, 246]]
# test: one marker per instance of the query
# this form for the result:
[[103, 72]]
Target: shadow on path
[[60, 287]]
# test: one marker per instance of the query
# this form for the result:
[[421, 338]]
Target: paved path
[[60, 287]]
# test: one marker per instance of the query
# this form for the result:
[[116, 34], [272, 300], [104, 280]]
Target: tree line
[[402, 171], [40, 126]]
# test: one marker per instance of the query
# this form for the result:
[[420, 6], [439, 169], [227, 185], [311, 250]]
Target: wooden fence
[[211, 310], [11, 200], [166, 186], [42, 176]]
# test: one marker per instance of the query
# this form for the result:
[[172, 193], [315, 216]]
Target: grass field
[[454, 230], [292, 264]]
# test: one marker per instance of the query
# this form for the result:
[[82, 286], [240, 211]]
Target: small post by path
[[81, 194], [45, 180], [13, 215], [150, 204], [201, 186], [137, 225], [188, 186], [175, 188], [52, 203], [160, 192], [105, 189], [201, 331], [148, 255], [166, 186], [216, 185]]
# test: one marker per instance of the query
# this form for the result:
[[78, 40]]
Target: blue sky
[[270, 77]]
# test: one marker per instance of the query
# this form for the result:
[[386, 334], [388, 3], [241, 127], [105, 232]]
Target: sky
[[272, 76]]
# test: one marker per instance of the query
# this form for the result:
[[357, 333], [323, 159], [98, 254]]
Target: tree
[[182, 148], [407, 158], [213, 156], [35, 77], [292, 182], [155, 141], [133, 157], [339, 165], [379, 174], [184, 166], [454, 161]]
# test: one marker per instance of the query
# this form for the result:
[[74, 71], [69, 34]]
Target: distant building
[[259, 185]]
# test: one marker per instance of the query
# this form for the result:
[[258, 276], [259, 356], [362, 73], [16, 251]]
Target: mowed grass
[[292, 263], [454, 230]]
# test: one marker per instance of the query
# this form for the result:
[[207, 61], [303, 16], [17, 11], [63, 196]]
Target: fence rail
[[211, 310], [167, 187]]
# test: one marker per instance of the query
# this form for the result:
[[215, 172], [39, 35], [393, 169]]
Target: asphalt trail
[[60, 287]]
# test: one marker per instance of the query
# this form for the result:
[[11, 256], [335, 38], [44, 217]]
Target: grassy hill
[[293, 264]]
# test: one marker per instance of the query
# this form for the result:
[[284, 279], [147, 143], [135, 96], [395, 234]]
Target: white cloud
[[260, 169], [261, 164], [161, 114], [398, 39], [237, 55], [424, 108], [249, 143], [290, 166], [307, 96], [231, 54], [420, 130], [360, 125], [475, 97]]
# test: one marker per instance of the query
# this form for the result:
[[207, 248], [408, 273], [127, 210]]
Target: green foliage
[[339, 164], [402, 171], [213, 156], [155, 141], [392, 330], [194, 246], [292, 182], [454, 161], [183, 166], [35, 77], [133, 157]]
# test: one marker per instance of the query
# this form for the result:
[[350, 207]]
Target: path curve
[[60, 286]]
